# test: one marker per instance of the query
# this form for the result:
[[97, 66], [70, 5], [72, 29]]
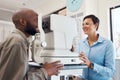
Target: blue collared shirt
[[101, 53]]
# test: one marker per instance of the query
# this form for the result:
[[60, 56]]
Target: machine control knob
[[73, 60]]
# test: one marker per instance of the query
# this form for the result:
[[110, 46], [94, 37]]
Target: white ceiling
[[43, 7], [13, 5]]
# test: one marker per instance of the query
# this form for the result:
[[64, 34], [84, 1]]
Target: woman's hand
[[85, 59]]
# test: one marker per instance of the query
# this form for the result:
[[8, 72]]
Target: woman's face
[[88, 26]]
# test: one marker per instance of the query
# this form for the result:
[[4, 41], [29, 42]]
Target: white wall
[[91, 7], [5, 29]]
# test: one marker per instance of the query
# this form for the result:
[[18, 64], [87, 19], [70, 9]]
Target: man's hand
[[53, 68]]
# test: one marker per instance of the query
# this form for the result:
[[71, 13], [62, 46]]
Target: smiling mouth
[[85, 30]]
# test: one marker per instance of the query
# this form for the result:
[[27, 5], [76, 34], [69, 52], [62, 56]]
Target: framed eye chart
[[115, 28]]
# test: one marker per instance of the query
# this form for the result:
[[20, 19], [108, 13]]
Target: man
[[14, 51]]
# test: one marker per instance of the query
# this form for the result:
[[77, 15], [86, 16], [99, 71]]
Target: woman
[[96, 51]]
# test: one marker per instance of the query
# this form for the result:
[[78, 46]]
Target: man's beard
[[30, 29]]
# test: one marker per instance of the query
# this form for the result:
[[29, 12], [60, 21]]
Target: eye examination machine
[[59, 38]]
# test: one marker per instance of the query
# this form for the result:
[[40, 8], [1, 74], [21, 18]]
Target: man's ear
[[22, 22]]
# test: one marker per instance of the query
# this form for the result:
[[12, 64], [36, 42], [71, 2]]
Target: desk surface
[[66, 66], [74, 66]]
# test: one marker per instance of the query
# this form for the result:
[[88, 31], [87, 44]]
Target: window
[[115, 28]]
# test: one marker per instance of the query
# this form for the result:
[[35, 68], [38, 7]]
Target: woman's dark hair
[[94, 19]]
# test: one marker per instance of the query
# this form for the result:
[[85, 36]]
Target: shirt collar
[[100, 40]]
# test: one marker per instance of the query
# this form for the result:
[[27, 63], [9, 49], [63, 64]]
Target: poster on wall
[[115, 28]]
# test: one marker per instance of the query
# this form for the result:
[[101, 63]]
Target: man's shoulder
[[12, 40]]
